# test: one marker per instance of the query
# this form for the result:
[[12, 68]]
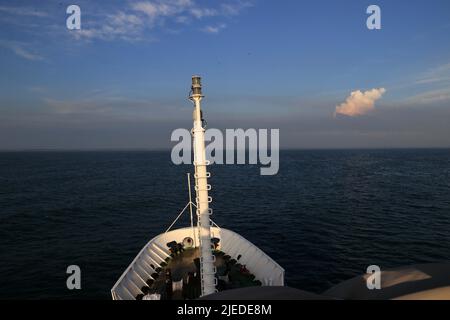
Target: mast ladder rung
[[209, 200], [208, 188], [206, 163], [208, 175], [210, 211]]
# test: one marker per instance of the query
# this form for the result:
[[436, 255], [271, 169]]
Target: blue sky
[[122, 80]]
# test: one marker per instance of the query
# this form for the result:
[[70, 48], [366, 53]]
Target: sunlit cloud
[[360, 103]]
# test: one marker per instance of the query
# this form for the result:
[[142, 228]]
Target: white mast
[[207, 269]]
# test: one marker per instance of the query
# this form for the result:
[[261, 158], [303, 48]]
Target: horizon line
[[169, 149]]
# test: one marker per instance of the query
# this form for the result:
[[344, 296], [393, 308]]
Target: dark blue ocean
[[325, 217]]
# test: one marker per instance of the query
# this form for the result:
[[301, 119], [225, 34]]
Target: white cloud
[[23, 11], [182, 19], [431, 86], [21, 50], [121, 25], [200, 13], [235, 8], [431, 96], [214, 29], [435, 75], [360, 103], [158, 9], [122, 18], [141, 19]]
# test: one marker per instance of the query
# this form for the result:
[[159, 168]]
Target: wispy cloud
[[23, 11], [182, 19], [435, 75], [21, 50], [98, 103], [234, 8], [200, 13], [428, 87], [37, 89], [142, 19], [214, 29], [157, 9], [359, 103], [121, 25], [431, 96]]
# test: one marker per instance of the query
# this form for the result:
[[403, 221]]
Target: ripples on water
[[325, 217]]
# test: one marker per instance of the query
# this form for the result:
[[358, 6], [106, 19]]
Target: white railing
[[258, 263]]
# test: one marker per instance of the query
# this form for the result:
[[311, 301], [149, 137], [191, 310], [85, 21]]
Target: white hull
[[155, 252]]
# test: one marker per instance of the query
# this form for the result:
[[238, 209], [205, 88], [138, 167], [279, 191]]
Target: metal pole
[[190, 208], [207, 268]]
